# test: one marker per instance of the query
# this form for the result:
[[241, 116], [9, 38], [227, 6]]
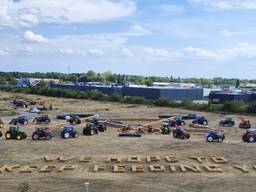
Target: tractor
[[14, 132], [189, 116], [180, 133], [200, 120], [19, 103], [166, 128], [42, 133], [215, 136], [244, 124], [177, 121], [69, 131], [44, 119], [90, 129], [20, 120], [249, 136], [74, 120], [228, 122], [1, 124], [102, 127]]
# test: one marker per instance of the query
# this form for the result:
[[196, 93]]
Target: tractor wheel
[[220, 140], [1, 125], [18, 137], [76, 135], [49, 137], [35, 136], [251, 139], [8, 135], [92, 132], [66, 135], [182, 136], [204, 122], [210, 139]]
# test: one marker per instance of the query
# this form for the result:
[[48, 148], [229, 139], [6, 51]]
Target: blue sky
[[186, 38]]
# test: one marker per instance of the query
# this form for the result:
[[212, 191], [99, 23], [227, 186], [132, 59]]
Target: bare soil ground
[[101, 146]]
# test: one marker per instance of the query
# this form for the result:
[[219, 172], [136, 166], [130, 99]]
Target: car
[[19, 103], [63, 116], [246, 124], [189, 116], [166, 128], [20, 120], [90, 129], [1, 124], [44, 119], [42, 133], [69, 131], [228, 122], [201, 120], [249, 136], [74, 120], [215, 136], [14, 132], [180, 133]]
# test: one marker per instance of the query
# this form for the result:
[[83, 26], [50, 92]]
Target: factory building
[[171, 93]]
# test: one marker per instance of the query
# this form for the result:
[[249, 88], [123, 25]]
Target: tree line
[[235, 107], [121, 79]]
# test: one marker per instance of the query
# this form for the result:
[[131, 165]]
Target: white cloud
[[243, 50], [139, 30], [171, 8], [4, 51], [80, 52], [226, 4], [32, 12], [95, 52], [156, 52], [126, 53], [35, 38]]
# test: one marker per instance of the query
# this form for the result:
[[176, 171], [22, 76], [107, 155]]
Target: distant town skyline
[[182, 38]]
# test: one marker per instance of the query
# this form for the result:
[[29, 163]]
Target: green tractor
[[14, 132], [166, 128], [74, 120], [90, 129]]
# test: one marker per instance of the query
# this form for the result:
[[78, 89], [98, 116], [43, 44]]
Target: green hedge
[[232, 107]]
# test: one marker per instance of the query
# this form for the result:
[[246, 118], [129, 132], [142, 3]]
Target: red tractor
[[42, 133], [244, 124], [180, 133]]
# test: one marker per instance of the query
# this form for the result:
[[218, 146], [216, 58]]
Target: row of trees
[[108, 78], [228, 107]]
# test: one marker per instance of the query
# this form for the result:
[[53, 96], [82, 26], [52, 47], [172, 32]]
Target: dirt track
[[101, 146]]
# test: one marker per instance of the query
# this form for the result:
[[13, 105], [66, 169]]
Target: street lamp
[[86, 184]]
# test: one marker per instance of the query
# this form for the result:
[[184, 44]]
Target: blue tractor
[[215, 136], [20, 120], [69, 132], [200, 120]]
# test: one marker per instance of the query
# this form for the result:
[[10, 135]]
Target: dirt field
[[29, 152]]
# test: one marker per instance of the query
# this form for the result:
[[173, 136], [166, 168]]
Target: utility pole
[[68, 69]]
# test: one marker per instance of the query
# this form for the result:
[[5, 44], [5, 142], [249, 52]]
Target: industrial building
[[224, 96], [171, 93]]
